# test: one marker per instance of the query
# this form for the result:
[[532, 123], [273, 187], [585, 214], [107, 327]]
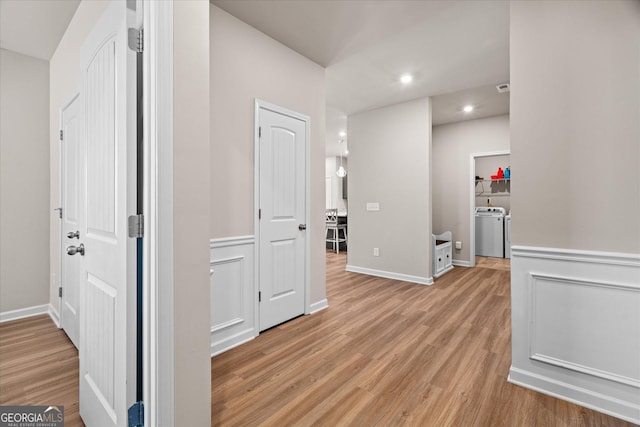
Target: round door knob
[[72, 250]]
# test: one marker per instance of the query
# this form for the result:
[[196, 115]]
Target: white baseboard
[[54, 316], [565, 307], [318, 306], [21, 313], [578, 395], [232, 342], [460, 263], [391, 275]]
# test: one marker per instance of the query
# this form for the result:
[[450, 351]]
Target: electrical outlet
[[458, 245], [376, 251]]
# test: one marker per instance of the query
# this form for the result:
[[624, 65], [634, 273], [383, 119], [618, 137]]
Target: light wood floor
[[495, 263], [384, 353], [389, 353], [39, 366]]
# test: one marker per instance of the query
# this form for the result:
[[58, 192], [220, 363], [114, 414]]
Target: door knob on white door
[[73, 234], [302, 227], [72, 250]]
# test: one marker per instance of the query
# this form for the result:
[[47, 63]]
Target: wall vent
[[503, 88]]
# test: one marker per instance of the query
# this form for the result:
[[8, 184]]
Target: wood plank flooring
[[39, 366], [384, 353], [495, 263], [389, 353]]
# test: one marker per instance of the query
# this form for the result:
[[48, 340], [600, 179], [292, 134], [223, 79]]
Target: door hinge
[[136, 415], [259, 213], [136, 40], [61, 135], [259, 296], [260, 132], [60, 292], [59, 212], [136, 226]]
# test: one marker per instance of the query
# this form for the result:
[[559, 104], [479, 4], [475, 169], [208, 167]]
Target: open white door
[[282, 225], [71, 168], [108, 279]]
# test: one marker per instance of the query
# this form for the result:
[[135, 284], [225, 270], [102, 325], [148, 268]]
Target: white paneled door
[[282, 225], [71, 167], [108, 275]]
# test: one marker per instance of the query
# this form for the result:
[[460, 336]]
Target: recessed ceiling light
[[468, 108], [406, 78], [342, 134]]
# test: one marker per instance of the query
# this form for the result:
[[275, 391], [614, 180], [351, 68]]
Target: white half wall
[[234, 297], [576, 327], [24, 181]]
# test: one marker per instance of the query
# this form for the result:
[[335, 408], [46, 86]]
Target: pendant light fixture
[[341, 172]]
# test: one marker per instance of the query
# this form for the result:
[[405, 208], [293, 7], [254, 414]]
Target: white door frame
[[256, 201], [472, 199], [63, 107], [158, 282]]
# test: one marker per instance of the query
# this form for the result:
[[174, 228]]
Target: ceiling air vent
[[503, 88]]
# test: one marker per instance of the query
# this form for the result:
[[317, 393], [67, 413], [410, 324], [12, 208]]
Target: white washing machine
[[490, 232], [507, 235]]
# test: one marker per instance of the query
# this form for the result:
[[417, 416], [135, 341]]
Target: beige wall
[[64, 69], [24, 181], [575, 127], [453, 145], [191, 213], [389, 163], [245, 65]]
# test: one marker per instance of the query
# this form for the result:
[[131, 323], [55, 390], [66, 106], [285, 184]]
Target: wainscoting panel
[[233, 293], [576, 327]]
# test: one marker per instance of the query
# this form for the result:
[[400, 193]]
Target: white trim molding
[[158, 284], [318, 306], [21, 313], [576, 327], [55, 316], [233, 291], [391, 275]]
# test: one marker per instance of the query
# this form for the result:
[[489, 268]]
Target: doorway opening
[[490, 208]]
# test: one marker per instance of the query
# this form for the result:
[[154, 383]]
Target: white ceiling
[[34, 27], [456, 49], [365, 45], [486, 102]]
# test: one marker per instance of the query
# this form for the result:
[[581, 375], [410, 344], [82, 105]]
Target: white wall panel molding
[[552, 305], [391, 275], [232, 241], [233, 302], [576, 327], [591, 257], [21, 313]]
